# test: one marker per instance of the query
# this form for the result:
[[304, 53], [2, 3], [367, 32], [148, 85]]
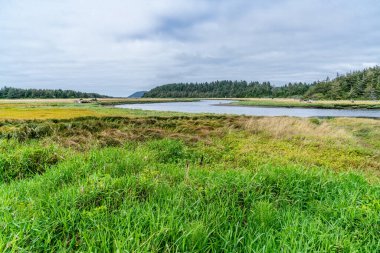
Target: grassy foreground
[[130, 181]]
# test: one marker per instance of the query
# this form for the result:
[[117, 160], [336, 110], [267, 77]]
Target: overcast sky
[[116, 47]]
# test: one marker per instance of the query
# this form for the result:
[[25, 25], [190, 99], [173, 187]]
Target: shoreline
[[307, 106]]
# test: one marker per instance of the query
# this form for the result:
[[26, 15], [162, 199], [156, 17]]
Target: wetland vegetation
[[93, 178]]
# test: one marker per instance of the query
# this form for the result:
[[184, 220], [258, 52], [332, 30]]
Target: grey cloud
[[117, 47]]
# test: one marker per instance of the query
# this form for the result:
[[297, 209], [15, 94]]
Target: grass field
[[68, 108], [82, 177]]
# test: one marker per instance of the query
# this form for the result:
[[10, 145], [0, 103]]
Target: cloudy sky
[[116, 47]]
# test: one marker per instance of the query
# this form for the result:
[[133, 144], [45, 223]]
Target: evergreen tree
[[14, 93]]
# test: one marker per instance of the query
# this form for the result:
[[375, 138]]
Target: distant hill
[[16, 93], [363, 84], [138, 94]]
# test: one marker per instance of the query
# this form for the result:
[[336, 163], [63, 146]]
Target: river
[[220, 107]]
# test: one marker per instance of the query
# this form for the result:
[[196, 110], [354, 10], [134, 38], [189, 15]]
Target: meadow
[[86, 177]]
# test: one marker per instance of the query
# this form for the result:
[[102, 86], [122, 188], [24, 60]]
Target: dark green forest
[[221, 89], [14, 93], [363, 84]]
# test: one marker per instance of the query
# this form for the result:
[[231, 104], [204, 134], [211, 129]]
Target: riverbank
[[293, 103], [144, 100], [222, 107], [36, 109], [65, 109]]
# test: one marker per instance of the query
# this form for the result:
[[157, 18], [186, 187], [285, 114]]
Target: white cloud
[[117, 47]]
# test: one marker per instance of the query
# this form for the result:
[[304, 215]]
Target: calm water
[[216, 106]]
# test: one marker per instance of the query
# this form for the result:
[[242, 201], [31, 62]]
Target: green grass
[[137, 198], [190, 184]]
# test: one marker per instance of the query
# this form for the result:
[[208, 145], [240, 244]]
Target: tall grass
[[189, 184], [287, 127], [134, 198]]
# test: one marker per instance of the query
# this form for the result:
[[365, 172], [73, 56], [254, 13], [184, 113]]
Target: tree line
[[14, 93], [222, 89], [363, 84]]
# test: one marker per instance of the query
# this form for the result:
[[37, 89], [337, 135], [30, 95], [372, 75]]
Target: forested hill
[[229, 89], [14, 93], [363, 84]]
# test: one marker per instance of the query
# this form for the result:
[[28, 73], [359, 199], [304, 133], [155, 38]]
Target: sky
[[117, 47]]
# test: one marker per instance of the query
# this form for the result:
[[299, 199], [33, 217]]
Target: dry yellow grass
[[73, 100], [286, 127], [46, 113], [35, 101]]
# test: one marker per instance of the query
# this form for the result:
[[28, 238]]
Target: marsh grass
[[280, 140], [133, 198], [288, 127], [51, 111], [190, 184], [45, 113]]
